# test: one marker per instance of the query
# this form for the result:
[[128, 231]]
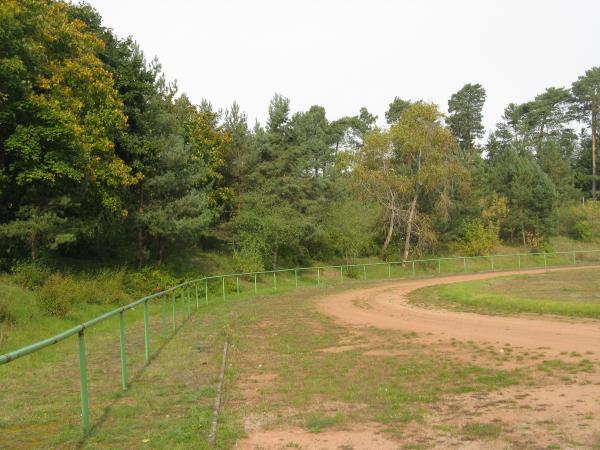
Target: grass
[[484, 431], [568, 293], [317, 423], [280, 338], [168, 403], [313, 388]]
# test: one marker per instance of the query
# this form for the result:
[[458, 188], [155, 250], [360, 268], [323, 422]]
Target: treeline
[[100, 156]]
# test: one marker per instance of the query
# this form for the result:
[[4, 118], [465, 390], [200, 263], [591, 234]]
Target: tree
[[430, 163], [411, 171], [530, 193], [465, 117], [548, 114], [586, 93], [377, 179], [59, 116], [395, 110]]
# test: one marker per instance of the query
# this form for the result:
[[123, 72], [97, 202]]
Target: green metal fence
[[198, 292]]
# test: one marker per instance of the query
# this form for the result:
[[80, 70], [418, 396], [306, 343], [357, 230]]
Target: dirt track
[[386, 307], [560, 407]]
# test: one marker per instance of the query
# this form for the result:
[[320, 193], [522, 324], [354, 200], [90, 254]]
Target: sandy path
[[385, 307], [557, 410]]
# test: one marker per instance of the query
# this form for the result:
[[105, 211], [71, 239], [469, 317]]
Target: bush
[[57, 295], [147, 280], [104, 287], [581, 222], [479, 239], [583, 230], [30, 275], [248, 259], [353, 272]]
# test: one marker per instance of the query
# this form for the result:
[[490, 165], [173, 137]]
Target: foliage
[[479, 239], [465, 116], [102, 157], [30, 275], [248, 258], [580, 221], [57, 295], [60, 114], [412, 172]]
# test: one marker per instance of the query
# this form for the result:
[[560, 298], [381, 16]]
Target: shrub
[[57, 295], [479, 239], [581, 221], [537, 242], [147, 280], [248, 259], [353, 272], [105, 287], [583, 230], [30, 275]]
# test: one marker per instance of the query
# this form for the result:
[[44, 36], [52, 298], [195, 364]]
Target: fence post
[[464, 264], [389, 270], [364, 271], [122, 349], [492, 261], [545, 261], [439, 265], [146, 333], [255, 284], [296, 277], [574, 258], [164, 318], [318, 276], [274, 281], [189, 301], [83, 385], [223, 286], [237, 285], [206, 292], [342, 273], [413, 268], [519, 256], [197, 297], [174, 311]]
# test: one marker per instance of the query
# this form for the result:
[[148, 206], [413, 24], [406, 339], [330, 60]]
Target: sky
[[345, 54]]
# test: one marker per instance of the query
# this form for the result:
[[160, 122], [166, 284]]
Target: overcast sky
[[344, 54]]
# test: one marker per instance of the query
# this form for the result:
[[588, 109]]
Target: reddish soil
[[360, 437], [385, 307]]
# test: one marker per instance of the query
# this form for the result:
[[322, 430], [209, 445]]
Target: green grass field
[[568, 293]]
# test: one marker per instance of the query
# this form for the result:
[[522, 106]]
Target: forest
[[103, 158]]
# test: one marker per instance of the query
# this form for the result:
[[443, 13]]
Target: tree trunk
[[140, 234], [594, 118], [523, 236], [389, 235], [33, 242], [409, 225]]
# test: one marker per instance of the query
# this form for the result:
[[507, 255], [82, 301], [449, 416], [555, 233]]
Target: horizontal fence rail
[[199, 290]]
